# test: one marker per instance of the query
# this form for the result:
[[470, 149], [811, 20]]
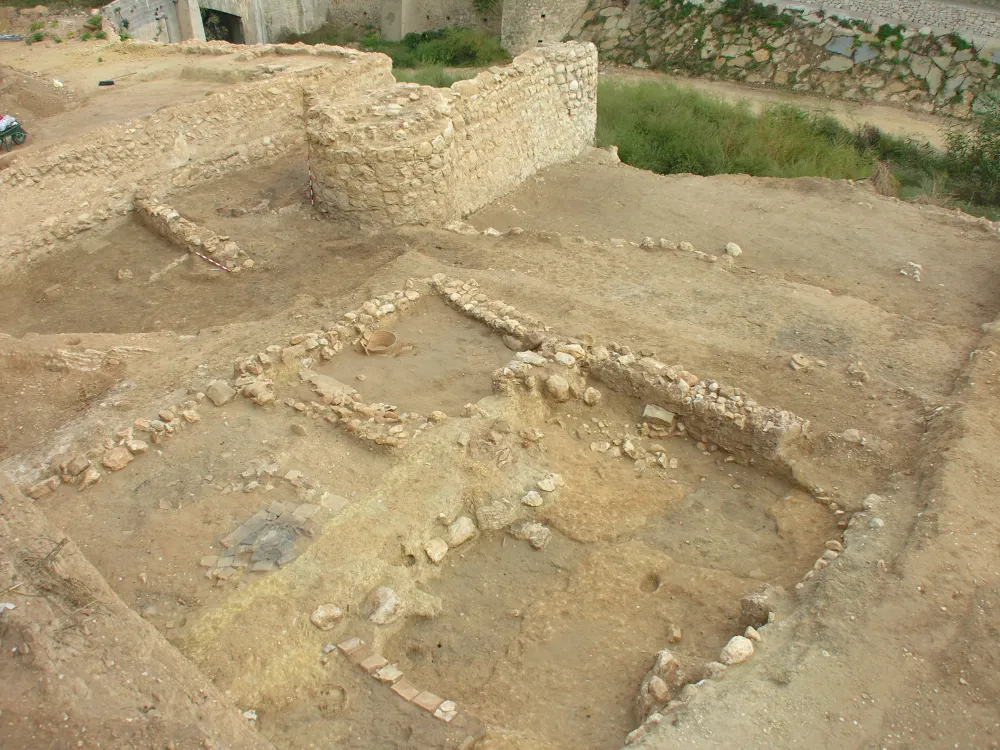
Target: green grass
[[432, 75], [667, 129], [454, 47]]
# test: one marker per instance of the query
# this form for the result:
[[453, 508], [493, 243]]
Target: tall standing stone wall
[[415, 154], [51, 194], [529, 23], [809, 52]]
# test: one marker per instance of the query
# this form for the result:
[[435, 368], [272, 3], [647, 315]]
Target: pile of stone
[[378, 667], [81, 469]]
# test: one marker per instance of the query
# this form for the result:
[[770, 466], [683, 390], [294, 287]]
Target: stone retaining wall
[[72, 187], [414, 154], [942, 17], [802, 51]]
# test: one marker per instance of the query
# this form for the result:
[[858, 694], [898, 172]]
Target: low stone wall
[[185, 234], [52, 194], [802, 51], [415, 154]]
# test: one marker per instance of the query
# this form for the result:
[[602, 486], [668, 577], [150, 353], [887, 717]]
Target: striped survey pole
[[312, 190], [217, 265]]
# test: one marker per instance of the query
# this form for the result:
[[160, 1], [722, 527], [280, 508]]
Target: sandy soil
[[890, 646]]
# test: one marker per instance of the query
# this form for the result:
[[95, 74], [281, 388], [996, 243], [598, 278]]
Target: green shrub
[[667, 129], [747, 11], [328, 33], [36, 25], [85, 36], [100, 35], [958, 42], [451, 47], [57, 39], [35, 37], [433, 75], [973, 157], [95, 20]]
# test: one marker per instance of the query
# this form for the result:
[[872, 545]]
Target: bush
[[328, 33], [973, 157], [433, 75], [100, 34], [36, 37], [36, 26], [95, 20], [85, 36], [452, 47], [667, 129]]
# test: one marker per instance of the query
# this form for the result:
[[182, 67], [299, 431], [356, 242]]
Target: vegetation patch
[[669, 129], [453, 47], [432, 75]]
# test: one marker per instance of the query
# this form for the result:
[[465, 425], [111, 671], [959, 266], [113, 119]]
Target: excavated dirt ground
[[893, 645]]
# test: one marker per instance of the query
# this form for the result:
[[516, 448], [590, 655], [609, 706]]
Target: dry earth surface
[[129, 631]]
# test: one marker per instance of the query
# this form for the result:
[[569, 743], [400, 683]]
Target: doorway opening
[[220, 26]]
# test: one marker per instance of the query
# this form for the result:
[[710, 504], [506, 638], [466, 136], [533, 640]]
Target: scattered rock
[[733, 250], [532, 499], [464, 439], [658, 415], [591, 397], [166, 415], [852, 436], [834, 545], [91, 476], [756, 607], [494, 515], [531, 358], [799, 362], [752, 634], [385, 606], [673, 633], [437, 416], [658, 689], [117, 458], [461, 530], [565, 358], [537, 535], [549, 483], [190, 415], [648, 243], [513, 343], [557, 387], [300, 429], [666, 244], [687, 247], [124, 274], [219, 392], [436, 549], [326, 616], [737, 651]]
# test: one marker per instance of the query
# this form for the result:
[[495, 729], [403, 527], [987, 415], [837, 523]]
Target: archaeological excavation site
[[342, 412]]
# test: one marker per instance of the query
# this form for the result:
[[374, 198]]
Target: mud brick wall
[[921, 69], [415, 154], [76, 185]]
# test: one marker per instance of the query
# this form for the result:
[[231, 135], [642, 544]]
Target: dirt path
[[892, 120]]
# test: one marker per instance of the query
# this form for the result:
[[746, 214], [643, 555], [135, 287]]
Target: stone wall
[[798, 50], [414, 154], [54, 193], [148, 20], [942, 17], [528, 23]]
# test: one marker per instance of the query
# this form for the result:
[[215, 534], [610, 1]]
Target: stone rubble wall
[[57, 192], [943, 17], [943, 74], [415, 154], [185, 234]]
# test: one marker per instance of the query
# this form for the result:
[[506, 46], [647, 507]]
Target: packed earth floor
[[613, 478]]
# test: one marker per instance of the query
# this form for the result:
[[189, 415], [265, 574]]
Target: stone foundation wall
[[798, 50], [415, 154], [54, 193]]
